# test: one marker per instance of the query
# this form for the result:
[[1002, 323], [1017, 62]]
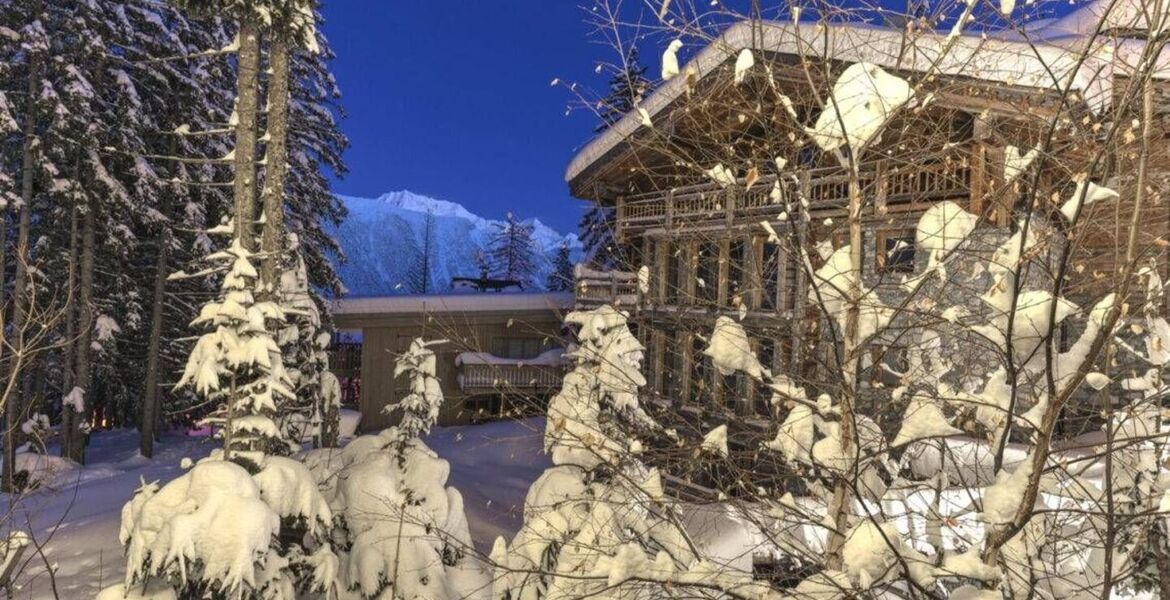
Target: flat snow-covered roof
[[453, 303], [1050, 59]]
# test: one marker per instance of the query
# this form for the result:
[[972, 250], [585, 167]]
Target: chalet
[[502, 356], [706, 159]]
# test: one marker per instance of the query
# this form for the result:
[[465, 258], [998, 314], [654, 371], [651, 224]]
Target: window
[[771, 275], [896, 252], [736, 271], [673, 270], [519, 347], [707, 284]]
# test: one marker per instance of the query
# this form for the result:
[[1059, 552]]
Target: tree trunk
[[68, 368], [244, 171], [276, 166], [28, 172], [150, 398], [75, 449]]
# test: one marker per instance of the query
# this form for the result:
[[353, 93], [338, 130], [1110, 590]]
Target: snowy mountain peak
[[408, 200], [383, 239]]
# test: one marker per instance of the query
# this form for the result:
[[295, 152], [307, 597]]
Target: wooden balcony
[[512, 377], [888, 187], [595, 288]]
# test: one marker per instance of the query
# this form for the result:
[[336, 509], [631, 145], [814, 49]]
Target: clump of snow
[[715, 441], [209, 525], [1086, 193], [554, 357], [834, 281], [1001, 500], [1014, 164], [923, 419], [42, 469], [722, 175], [941, 229], [74, 400], [36, 425], [105, 327], [644, 280], [863, 99], [670, 60], [743, 63], [730, 350]]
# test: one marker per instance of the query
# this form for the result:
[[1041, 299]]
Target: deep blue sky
[[452, 100]]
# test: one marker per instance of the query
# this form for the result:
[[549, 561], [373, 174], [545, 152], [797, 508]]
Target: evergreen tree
[[626, 90], [422, 271], [512, 251], [561, 278], [597, 226]]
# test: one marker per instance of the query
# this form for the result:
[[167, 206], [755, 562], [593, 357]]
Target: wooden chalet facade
[[702, 241], [498, 361]]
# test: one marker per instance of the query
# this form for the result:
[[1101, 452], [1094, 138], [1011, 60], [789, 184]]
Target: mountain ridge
[[383, 237]]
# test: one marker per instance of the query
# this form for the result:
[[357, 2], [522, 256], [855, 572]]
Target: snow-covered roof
[[453, 303], [1049, 58]]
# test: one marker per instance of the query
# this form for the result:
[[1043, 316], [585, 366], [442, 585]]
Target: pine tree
[[237, 361], [597, 225], [422, 271], [512, 251], [561, 278], [317, 147], [626, 90]]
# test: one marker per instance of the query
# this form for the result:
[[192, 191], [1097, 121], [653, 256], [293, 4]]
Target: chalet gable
[[1008, 63]]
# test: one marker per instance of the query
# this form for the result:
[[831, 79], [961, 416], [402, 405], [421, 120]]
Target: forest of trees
[[121, 134]]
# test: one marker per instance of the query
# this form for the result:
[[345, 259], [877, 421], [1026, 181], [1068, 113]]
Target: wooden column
[[721, 295], [658, 339], [754, 271], [689, 271], [662, 249], [879, 203], [686, 350]]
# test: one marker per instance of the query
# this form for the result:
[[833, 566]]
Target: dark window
[[519, 347], [767, 356], [707, 285], [737, 272], [672, 272], [700, 370], [897, 254], [771, 276]]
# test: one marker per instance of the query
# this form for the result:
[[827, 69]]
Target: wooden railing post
[[669, 208], [729, 204]]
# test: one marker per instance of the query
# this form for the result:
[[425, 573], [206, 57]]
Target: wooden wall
[[385, 336]]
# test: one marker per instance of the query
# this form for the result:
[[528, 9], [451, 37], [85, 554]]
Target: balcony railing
[[509, 378], [890, 187], [595, 288]]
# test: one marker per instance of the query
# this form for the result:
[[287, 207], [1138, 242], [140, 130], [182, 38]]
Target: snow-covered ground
[[76, 517]]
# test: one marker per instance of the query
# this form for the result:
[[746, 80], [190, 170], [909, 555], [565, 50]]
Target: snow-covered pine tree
[[238, 362], [599, 507], [420, 406], [303, 342], [627, 87], [316, 146], [561, 277], [400, 533], [188, 99], [512, 251]]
